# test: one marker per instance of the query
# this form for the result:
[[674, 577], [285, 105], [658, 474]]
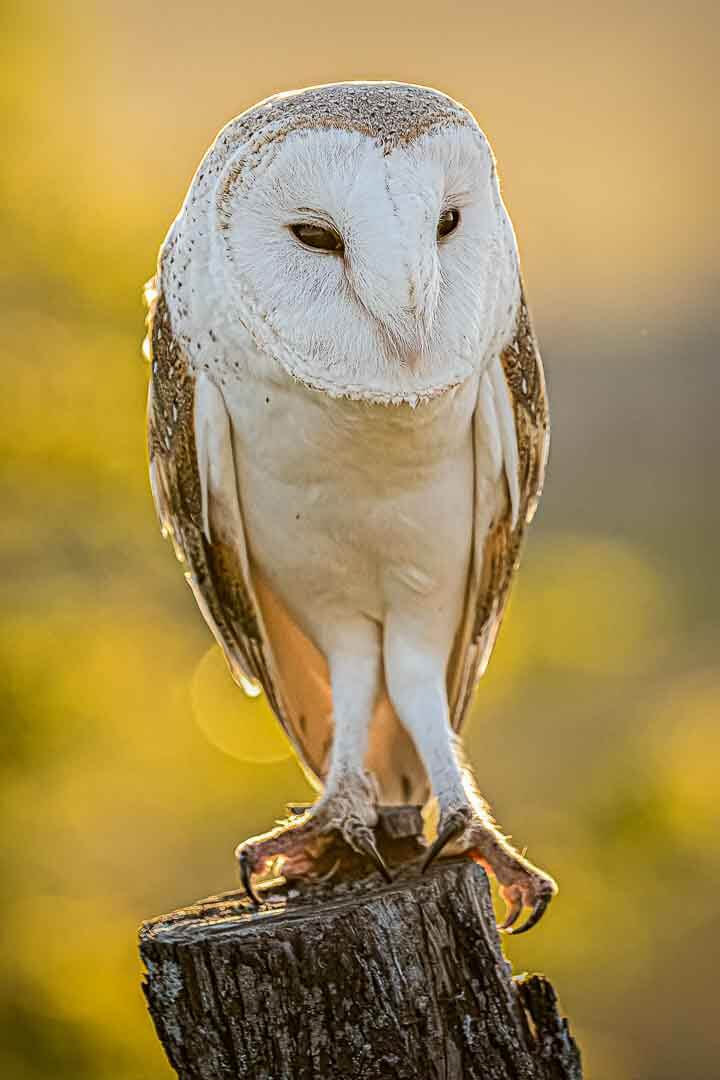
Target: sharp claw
[[246, 878], [536, 915], [364, 841], [326, 877], [512, 916], [453, 827]]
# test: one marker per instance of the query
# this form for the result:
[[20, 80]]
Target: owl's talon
[[531, 889], [521, 884], [323, 878], [333, 836], [539, 909], [512, 916], [246, 878], [454, 825], [363, 840]]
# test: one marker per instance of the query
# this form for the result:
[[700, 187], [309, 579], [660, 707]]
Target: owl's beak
[[392, 264], [401, 295], [407, 311]]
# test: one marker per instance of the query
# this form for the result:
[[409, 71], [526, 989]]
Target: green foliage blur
[[130, 766]]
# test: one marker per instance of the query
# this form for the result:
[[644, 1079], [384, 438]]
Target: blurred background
[[130, 765]]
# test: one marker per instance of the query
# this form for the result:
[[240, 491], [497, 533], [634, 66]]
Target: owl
[[348, 430]]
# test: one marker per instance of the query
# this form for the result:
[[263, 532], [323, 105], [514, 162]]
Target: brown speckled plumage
[[393, 113], [526, 384], [213, 567]]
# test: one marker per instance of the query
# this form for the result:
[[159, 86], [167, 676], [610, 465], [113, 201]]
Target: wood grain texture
[[361, 982]]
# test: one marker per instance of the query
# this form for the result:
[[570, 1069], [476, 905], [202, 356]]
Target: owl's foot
[[302, 848], [465, 831], [340, 836]]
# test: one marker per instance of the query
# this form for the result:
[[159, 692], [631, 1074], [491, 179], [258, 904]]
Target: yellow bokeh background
[[130, 765]]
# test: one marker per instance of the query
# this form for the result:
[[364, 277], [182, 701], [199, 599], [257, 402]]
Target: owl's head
[[353, 234]]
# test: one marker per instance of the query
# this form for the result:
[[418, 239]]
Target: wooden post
[[363, 981]]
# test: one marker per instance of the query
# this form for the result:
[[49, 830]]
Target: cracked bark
[[357, 982]]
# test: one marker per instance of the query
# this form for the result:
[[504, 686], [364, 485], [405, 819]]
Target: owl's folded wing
[[192, 474], [511, 436]]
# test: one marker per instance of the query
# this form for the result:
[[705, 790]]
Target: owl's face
[[383, 274]]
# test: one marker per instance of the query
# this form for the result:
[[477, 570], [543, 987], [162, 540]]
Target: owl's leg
[[415, 675], [348, 805], [347, 808]]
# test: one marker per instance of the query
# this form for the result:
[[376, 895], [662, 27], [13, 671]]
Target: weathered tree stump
[[367, 981]]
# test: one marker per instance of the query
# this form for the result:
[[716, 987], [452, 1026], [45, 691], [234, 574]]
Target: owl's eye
[[318, 238], [449, 221]]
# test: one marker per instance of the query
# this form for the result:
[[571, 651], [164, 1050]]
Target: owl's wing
[[192, 473], [511, 442]]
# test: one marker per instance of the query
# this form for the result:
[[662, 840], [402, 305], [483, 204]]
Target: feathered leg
[[347, 809], [415, 675]]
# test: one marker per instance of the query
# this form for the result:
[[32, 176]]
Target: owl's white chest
[[354, 508]]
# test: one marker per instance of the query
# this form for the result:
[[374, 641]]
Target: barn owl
[[348, 430]]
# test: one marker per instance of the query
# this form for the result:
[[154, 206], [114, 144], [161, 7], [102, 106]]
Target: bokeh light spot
[[243, 727]]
